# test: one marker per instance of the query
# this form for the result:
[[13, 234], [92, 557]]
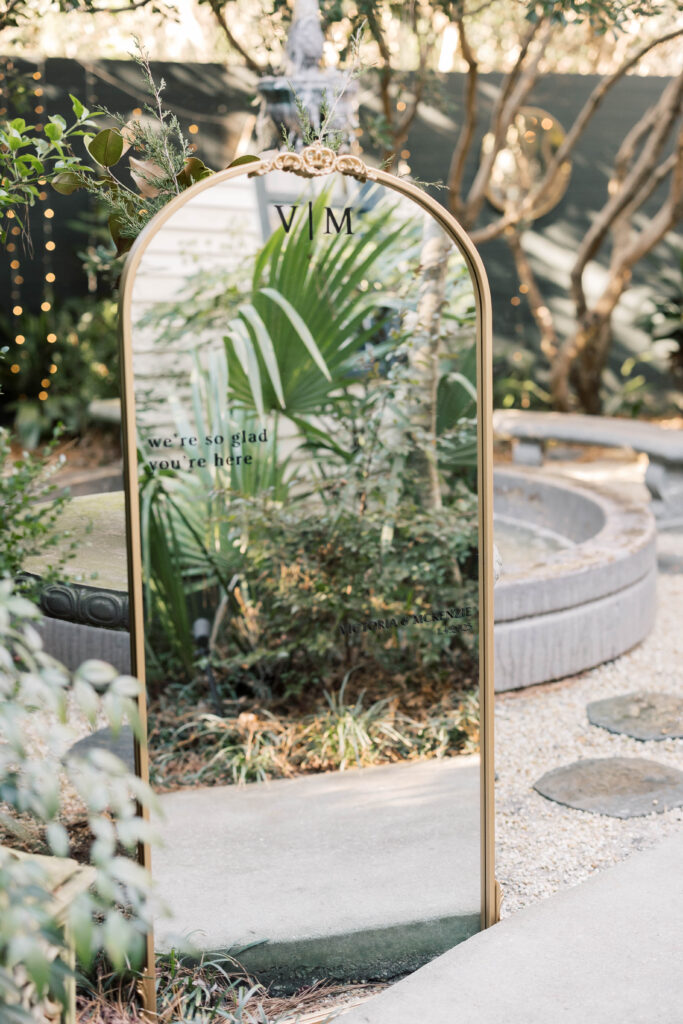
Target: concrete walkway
[[366, 873], [609, 951]]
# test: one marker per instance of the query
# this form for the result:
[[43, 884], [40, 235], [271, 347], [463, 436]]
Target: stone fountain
[[304, 77]]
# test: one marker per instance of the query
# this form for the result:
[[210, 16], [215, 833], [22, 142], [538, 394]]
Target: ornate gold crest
[[316, 160]]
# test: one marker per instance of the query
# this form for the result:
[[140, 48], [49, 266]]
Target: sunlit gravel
[[542, 847]]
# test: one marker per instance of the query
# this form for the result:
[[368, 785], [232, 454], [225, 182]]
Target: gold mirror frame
[[315, 161]]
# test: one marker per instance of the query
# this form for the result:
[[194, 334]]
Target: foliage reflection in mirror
[[306, 368], [530, 145]]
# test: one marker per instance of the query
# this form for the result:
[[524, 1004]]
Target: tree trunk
[[579, 365], [586, 373], [424, 356]]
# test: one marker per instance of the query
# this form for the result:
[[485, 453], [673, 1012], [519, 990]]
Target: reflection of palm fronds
[[313, 307]]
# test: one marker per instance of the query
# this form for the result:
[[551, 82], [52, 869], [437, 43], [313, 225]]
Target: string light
[[18, 279], [45, 382], [15, 264], [400, 105], [20, 339], [42, 395], [48, 213], [17, 310], [50, 277], [46, 306], [51, 339], [11, 247], [193, 129], [15, 367], [50, 246], [524, 288], [53, 368]]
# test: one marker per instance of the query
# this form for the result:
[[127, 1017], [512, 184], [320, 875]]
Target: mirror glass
[[304, 356]]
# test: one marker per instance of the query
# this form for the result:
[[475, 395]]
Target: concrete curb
[[605, 952]]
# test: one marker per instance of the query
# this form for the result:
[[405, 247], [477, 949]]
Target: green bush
[[315, 584], [30, 510], [82, 364], [36, 695]]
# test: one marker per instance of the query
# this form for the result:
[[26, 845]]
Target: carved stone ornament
[[316, 160], [86, 606]]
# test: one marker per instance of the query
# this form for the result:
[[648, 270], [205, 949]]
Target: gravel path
[[542, 847]]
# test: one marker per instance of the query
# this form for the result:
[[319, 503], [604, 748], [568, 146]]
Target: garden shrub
[[318, 588], [37, 698], [85, 361]]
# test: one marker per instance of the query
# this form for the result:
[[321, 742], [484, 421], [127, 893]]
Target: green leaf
[[258, 329], [35, 163], [121, 242], [248, 158], [106, 148], [67, 182], [53, 132], [79, 110], [117, 938], [58, 839], [193, 170], [300, 327], [244, 350]]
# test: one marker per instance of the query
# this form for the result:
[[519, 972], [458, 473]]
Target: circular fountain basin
[[577, 587], [578, 580]]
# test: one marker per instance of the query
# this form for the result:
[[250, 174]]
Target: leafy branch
[[27, 161], [161, 171]]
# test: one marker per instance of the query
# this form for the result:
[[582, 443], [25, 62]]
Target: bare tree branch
[[537, 305], [466, 134], [518, 94], [666, 110], [583, 354], [221, 17], [669, 214], [627, 149], [510, 80], [563, 153]]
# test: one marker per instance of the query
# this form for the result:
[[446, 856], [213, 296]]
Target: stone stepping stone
[[122, 745], [620, 787], [645, 716]]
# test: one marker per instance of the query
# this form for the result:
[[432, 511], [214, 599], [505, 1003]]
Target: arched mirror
[[306, 359]]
